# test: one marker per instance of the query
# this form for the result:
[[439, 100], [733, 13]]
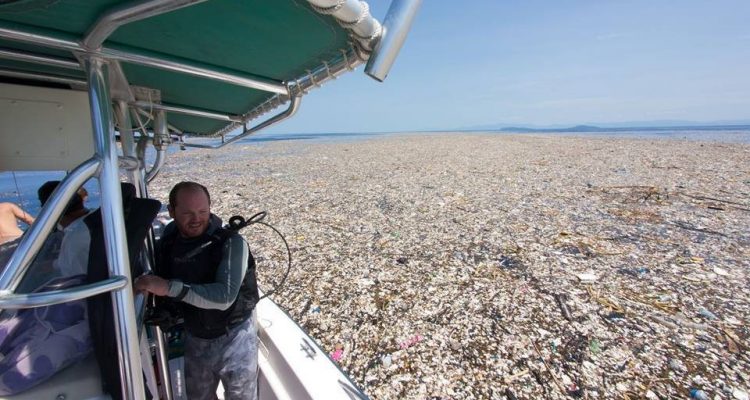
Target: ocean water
[[711, 134], [716, 136], [20, 187]]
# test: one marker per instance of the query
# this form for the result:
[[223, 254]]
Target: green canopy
[[278, 41]]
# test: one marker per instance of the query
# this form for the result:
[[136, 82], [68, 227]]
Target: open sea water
[[20, 187], [717, 134]]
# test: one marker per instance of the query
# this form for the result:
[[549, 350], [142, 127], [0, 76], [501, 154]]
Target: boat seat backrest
[[139, 215]]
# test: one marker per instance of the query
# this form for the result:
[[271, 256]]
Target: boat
[[90, 86]]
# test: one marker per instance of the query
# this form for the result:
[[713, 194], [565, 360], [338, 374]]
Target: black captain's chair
[[139, 214]]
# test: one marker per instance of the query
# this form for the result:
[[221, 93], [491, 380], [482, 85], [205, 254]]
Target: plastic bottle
[[708, 314], [387, 360], [698, 394]]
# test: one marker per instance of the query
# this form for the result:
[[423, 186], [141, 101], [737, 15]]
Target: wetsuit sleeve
[[221, 293]]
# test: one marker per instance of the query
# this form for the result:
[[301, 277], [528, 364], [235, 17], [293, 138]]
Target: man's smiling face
[[191, 212]]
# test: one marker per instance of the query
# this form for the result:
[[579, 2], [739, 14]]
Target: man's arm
[[221, 293], [19, 213]]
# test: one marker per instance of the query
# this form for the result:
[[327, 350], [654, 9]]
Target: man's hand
[[152, 284], [20, 214]]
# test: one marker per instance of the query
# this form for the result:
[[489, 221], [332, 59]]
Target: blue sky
[[474, 63]]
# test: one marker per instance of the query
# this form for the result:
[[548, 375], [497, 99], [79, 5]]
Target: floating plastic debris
[[708, 314], [337, 355], [721, 271], [587, 277], [411, 341], [480, 260], [561, 302], [639, 272], [698, 394], [386, 360], [677, 365], [595, 346]]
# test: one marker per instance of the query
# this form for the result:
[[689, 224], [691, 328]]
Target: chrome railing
[[42, 299], [293, 106]]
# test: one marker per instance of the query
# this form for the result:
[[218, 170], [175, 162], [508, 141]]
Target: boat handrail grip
[[34, 238], [13, 301]]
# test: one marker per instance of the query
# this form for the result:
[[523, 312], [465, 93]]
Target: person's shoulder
[[234, 239], [78, 225], [7, 206]]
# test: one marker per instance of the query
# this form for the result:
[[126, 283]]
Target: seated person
[[42, 270], [80, 325], [76, 207], [37, 343], [73, 253]]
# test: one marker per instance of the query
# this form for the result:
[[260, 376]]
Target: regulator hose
[[236, 223]]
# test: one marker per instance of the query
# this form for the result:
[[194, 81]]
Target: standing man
[[210, 273]]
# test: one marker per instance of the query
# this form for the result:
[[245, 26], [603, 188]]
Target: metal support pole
[[160, 130], [127, 142], [114, 229], [163, 362], [187, 111], [125, 127], [140, 149], [396, 26], [161, 142]]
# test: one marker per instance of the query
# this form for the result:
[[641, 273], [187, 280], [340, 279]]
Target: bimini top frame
[[322, 38]]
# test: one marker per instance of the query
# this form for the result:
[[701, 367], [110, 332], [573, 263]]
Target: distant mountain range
[[618, 126]]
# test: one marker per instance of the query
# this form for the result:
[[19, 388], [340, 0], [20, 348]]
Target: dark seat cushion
[[139, 214]]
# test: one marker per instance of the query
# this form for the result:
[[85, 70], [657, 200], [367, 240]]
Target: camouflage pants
[[232, 358]]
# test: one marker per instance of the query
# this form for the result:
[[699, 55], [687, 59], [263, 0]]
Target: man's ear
[[171, 212]]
